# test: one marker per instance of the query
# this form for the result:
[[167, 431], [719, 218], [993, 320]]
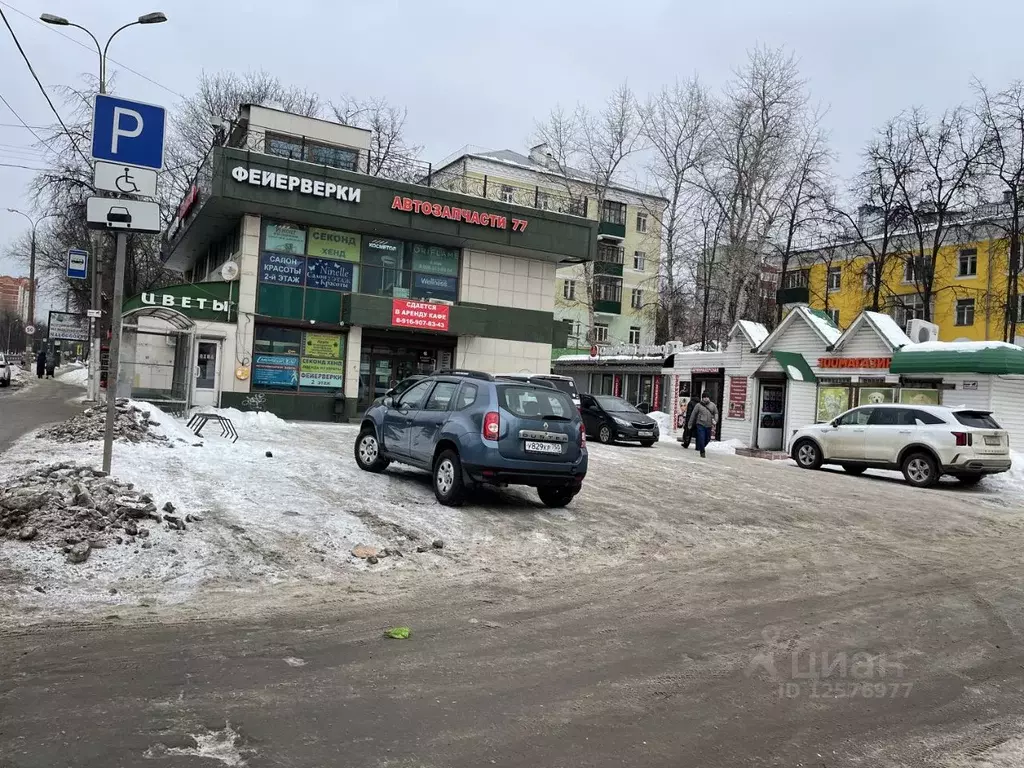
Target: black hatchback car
[[610, 419]]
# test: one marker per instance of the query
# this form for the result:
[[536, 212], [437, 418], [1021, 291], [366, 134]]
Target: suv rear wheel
[[555, 497], [807, 454], [368, 453], [920, 470], [449, 487]]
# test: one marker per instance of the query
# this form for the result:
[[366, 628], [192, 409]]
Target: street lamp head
[[13, 210], [156, 17], [49, 18]]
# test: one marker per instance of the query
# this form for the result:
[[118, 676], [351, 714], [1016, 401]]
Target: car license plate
[[645, 433], [532, 446], [991, 440]]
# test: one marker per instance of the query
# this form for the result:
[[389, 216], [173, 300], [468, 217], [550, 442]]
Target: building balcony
[[610, 230], [608, 307], [607, 268], [797, 295]]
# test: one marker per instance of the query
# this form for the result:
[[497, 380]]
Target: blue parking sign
[[129, 132]]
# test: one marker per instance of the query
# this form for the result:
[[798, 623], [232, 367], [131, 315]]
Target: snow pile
[[958, 346], [823, 323], [664, 424], [132, 424], [78, 376], [77, 509], [889, 329], [1011, 482], [261, 420], [756, 332], [727, 446]]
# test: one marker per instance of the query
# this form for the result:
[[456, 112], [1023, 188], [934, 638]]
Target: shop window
[[279, 301], [835, 278], [568, 289], [600, 332], [967, 265], [639, 260], [323, 307], [287, 359], [634, 335], [965, 312], [613, 212], [641, 222], [636, 301]]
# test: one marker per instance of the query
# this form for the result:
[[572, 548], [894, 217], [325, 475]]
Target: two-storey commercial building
[[311, 287], [624, 285]]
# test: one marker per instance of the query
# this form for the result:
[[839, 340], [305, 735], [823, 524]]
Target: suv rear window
[[536, 402], [979, 419], [564, 385]]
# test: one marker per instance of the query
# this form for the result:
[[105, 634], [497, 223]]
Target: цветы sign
[[455, 213]]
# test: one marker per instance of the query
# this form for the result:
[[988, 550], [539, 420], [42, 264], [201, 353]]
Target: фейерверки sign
[[300, 184]]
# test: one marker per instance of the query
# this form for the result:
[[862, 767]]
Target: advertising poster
[[876, 395], [436, 287], [332, 244], [323, 345], [327, 374], [68, 327], [737, 397], [919, 396], [831, 402], [435, 260], [419, 314], [280, 371], [285, 238], [383, 253], [329, 274], [282, 270]]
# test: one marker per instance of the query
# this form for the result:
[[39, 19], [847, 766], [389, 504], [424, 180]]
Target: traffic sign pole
[[115, 350]]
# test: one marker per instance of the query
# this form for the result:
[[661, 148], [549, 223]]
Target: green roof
[[795, 365], [959, 357]]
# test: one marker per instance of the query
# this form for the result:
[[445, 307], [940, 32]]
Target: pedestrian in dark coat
[[687, 431], [40, 363], [51, 365]]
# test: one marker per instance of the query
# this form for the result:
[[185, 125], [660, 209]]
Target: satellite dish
[[229, 271]]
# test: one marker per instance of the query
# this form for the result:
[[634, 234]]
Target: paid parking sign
[[78, 264], [128, 132]]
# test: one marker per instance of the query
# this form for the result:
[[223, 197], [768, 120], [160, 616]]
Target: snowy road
[[717, 612]]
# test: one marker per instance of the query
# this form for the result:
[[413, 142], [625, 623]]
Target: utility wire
[[26, 125], [35, 77], [27, 168], [89, 48]]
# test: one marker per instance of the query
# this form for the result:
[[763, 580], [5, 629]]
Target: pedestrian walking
[[41, 363], [51, 365], [702, 420]]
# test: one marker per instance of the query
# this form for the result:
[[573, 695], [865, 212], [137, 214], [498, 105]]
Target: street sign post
[[78, 264], [30, 330], [93, 313], [129, 132], [125, 179]]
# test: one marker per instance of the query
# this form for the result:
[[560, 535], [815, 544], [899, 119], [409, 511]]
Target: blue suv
[[469, 428]]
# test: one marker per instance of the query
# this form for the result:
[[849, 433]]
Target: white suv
[[922, 441]]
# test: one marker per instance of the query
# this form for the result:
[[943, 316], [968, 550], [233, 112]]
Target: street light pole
[[156, 17], [31, 263]]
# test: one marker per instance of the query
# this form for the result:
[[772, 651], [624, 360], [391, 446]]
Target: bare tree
[[587, 150], [391, 155], [677, 126], [758, 125], [1001, 115]]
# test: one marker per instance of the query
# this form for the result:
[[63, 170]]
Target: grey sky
[[482, 72]]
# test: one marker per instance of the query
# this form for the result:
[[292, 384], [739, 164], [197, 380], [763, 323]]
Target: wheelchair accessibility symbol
[[126, 183], [125, 179]]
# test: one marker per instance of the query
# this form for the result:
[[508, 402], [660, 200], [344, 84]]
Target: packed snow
[[958, 346], [889, 329], [77, 375], [824, 325], [756, 332], [664, 421]]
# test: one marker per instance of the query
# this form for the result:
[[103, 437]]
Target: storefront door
[[382, 366], [206, 386]]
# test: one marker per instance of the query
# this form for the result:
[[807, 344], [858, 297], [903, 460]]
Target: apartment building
[[623, 283], [14, 293], [965, 290]]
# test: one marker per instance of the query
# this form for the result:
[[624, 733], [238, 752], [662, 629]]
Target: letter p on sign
[[128, 132]]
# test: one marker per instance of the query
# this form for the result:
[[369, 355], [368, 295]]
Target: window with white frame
[[508, 193], [796, 278], [906, 308], [915, 269], [608, 289], [965, 311], [634, 334], [641, 221], [835, 278], [600, 332], [834, 315], [576, 331], [640, 260], [636, 300], [967, 265], [870, 273], [568, 289]]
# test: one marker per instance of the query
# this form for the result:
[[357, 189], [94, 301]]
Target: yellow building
[[626, 267], [967, 300]]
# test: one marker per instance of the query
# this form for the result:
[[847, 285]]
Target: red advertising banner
[[617, 385], [656, 405], [737, 397], [419, 314]]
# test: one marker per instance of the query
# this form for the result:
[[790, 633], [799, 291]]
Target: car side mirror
[[834, 422], [388, 401]]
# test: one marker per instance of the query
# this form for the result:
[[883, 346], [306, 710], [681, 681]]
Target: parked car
[[5, 370], [611, 419], [399, 388], [564, 383], [924, 442], [468, 428]]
